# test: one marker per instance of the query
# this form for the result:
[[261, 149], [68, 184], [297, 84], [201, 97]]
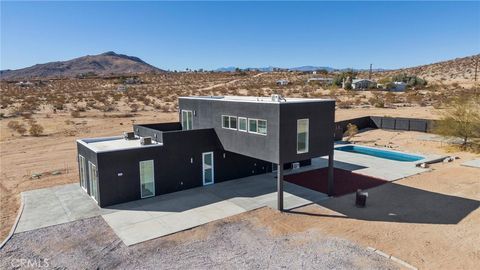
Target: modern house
[[358, 84], [219, 138], [282, 82]]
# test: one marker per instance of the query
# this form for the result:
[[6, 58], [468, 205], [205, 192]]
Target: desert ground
[[406, 224]]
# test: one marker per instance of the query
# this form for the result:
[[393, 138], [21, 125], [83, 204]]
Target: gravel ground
[[234, 243]]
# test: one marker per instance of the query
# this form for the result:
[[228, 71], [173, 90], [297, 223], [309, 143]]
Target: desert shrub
[[351, 131], [134, 107], [21, 129], [461, 119], [345, 104], [35, 129], [13, 124], [75, 114]]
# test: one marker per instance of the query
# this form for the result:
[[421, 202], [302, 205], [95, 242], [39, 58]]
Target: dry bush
[[75, 114], [35, 129], [13, 124]]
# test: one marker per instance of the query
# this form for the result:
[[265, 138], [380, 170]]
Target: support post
[[280, 187], [330, 174]]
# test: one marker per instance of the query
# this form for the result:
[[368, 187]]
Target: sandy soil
[[233, 243], [430, 220]]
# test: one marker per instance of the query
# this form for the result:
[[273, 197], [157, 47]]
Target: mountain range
[[109, 63]]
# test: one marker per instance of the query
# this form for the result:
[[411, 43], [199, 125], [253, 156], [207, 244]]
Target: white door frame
[[203, 168]]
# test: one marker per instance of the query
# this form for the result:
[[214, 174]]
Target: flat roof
[[116, 143], [257, 99]]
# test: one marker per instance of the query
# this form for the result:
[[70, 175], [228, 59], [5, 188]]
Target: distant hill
[[301, 68], [460, 70], [109, 63]]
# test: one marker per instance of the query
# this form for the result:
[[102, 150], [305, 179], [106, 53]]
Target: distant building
[[398, 86], [363, 84], [324, 81], [24, 84], [282, 82]]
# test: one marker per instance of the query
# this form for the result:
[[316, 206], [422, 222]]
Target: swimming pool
[[379, 153]]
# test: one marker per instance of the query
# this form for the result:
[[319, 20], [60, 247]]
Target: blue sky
[[179, 35]]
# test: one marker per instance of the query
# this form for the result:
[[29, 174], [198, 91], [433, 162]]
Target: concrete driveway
[[142, 220]]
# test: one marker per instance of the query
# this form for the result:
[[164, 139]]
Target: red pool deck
[[345, 181]]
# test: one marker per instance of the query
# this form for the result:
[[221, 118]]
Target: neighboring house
[[218, 139], [398, 86], [122, 88], [358, 84], [282, 82], [24, 84], [323, 81]]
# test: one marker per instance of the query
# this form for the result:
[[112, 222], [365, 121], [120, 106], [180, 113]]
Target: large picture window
[[302, 136]]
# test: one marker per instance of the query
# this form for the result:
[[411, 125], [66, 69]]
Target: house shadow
[[393, 202]]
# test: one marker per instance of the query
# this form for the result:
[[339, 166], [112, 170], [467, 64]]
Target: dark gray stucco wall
[[321, 117], [177, 166], [208, 114]]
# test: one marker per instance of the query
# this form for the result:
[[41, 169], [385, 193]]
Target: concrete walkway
[[56, 205], [142, 220]]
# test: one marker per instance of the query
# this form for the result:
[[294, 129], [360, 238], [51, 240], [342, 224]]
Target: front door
[[207, 168], [147, 179], [93, 177]]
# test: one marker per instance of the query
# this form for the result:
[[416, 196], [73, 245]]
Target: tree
[[460, 119], [351, 131]]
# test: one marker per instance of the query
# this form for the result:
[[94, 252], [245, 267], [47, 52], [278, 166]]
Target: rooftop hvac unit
[[145, 140], [277, 98], [128, 135]]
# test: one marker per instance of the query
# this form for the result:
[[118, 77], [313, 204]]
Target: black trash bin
[[361, 198]]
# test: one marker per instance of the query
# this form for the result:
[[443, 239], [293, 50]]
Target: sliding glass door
[[93, 179], [147, 179], [82, 170]]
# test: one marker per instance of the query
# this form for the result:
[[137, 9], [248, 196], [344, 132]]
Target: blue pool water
[[379, 153]]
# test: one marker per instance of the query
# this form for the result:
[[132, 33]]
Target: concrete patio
[[142, 220], [56, 205]]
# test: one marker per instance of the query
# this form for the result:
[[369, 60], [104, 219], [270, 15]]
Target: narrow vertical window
[[225, 121], [187, 119], [262, 127], [242, 123], [302, 136], [252, 125], [233, 122]]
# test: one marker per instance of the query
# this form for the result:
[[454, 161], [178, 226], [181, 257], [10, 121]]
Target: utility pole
[[476, 67], [370, 73]]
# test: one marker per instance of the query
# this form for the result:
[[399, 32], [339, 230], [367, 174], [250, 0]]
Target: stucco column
[[280, 187], [330, 173]]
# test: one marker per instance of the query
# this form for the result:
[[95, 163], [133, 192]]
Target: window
[[302, 136], [257, 126], [186, 120], [225, 121], [262, 127], [233, 122], [229, 122], [252, 125], [242, 124]]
